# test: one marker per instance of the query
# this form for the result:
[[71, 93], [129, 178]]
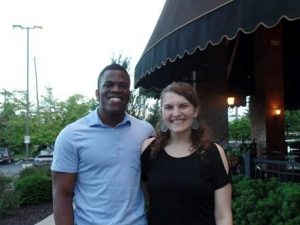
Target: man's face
[[113, 93]]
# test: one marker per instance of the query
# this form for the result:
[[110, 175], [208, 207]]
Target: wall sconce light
[[277, 112], [230, 101]]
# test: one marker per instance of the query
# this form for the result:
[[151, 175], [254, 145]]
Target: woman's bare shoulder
[[223, 157], [146, 143]]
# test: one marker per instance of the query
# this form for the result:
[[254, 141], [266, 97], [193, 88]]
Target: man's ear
[[130, 95], [97, 94]]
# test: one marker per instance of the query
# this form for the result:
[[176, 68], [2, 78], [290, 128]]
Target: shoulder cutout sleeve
[[145, 161], [219, 174]]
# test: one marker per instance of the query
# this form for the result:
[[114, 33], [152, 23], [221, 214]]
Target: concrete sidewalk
[[47, 221]]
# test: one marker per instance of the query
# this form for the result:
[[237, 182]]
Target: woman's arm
[[146, 143], [223, 210]]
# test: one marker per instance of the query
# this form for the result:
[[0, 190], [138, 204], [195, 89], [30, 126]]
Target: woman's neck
[[181, 138], [180, 145]]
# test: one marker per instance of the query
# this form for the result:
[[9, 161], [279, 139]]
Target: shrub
[[8, 202], [4, 182], [43, 171], [290, 203], [33, 189], [273, 202]]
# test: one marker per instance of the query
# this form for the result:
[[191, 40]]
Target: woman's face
[[177, 112]]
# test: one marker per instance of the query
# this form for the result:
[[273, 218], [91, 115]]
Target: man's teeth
[[115, 99]]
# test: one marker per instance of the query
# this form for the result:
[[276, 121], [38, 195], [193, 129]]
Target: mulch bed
[[28, 215]]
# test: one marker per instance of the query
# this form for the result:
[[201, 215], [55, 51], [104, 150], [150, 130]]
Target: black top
[[182, 189]]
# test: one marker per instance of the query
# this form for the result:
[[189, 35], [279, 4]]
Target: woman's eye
[[184, 106]]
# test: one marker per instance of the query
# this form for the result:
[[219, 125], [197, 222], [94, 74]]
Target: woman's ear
[[196, 112]]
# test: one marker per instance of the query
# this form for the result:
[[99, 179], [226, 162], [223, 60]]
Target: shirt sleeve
[[220, 176], [65, 156]]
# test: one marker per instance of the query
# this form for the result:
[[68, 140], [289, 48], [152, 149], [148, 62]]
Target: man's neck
[[111, 120]]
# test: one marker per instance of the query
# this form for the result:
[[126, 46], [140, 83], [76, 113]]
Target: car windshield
[[3, 151], [45, 156], [45, 153]]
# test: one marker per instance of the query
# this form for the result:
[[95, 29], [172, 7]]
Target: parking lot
[[13, 168]]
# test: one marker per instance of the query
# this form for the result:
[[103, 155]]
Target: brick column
[[213, 94], [267, 128]]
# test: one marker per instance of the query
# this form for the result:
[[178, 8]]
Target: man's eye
[[124, 85], [107, 85]]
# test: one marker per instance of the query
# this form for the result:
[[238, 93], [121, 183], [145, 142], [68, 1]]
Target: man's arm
[[62, 191]]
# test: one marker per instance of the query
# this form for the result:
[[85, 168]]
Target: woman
[[186, 175]]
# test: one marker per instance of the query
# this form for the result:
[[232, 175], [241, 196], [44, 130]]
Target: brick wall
[[267, 129]]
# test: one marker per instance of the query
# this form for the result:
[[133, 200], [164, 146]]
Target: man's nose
[[115, 88]]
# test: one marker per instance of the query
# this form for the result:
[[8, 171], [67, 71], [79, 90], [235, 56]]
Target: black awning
[[188, 26]]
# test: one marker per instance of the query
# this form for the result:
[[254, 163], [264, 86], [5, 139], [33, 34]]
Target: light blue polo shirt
[[107, 163]]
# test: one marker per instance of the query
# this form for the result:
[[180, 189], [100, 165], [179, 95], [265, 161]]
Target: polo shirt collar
[[94, 120]]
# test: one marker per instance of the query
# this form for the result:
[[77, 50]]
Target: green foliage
[[33, 189], [154, 114], [4, 182], [7, 200], [256, 202], [123, 61], [239, 129], [29, 171], [137, 104], [32, 186], [290, 202], [12, 115], [45, 122], [75, 107], [292, 120]]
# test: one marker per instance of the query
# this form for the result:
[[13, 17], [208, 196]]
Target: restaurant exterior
[[230, 48]]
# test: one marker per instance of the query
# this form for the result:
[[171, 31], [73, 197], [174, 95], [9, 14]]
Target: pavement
[[47, 221]]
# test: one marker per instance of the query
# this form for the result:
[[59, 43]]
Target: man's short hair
[[113, 66]]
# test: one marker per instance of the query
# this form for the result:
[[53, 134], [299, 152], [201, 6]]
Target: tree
[[125, 62], [239, 129], [292, 122], [137, 105], [154, 112], [12, 117], [45, 124], [75, 107]]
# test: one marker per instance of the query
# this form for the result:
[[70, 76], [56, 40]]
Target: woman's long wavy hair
[[201, 137]]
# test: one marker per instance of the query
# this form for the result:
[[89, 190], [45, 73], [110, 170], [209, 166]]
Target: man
[[96, 162]]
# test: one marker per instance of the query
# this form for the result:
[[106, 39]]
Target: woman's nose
[[176, 111]]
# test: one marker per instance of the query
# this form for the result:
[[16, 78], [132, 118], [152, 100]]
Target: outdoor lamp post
[[27, 136]]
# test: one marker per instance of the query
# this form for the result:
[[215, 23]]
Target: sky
[[78, 39]]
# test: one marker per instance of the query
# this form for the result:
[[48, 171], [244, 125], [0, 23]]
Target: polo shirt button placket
[[116, 141]]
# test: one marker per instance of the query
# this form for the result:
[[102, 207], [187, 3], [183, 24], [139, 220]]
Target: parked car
[[43, 158], [293, 148], [6, 155]]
